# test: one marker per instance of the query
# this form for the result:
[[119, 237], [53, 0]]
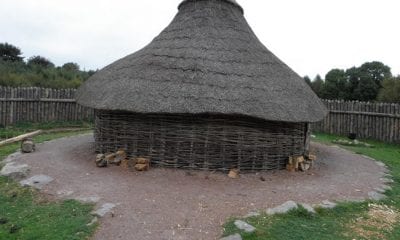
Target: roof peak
[[233, 2]]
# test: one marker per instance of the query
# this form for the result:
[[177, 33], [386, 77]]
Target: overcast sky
[[311, 36]]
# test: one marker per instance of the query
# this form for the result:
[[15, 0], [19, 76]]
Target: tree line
[[372, 81], [37, 71]]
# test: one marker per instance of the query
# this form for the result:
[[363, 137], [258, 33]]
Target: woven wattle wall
[[207, 142]]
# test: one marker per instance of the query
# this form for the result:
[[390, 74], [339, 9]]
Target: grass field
[[25, 214], [367, 220]]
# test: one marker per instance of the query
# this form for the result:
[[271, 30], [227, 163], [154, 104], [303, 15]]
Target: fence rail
[[40, 105], [380, 121]]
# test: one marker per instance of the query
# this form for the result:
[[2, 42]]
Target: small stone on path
[[12, 157], [327, 204], [14, 171], [244, 226], [252, 214], [284, 208], [91, 199], [65, 193], [105, 208], [94, 221], [387, 180], [38, 181], [232, 237], [381, 164], [386, 187], [376, 196], [308, 207]]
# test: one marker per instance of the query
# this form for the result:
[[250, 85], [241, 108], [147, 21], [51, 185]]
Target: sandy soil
[[179, 204]]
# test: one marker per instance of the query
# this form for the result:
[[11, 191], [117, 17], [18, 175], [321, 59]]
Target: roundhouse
[[204, 94]]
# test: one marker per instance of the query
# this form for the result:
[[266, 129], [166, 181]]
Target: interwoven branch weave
[[205, 142]]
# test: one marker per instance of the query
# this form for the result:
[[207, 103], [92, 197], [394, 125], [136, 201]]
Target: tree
[[10, 53], [390, 92], [318, 85], [40, 61], [335, 85], [353, 79], [307, 80], [74, 67], [376, 71], [367, 90]]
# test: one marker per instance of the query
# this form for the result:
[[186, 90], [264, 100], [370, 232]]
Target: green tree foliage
[[71, 66], [367, 90], [10, 53], [41, 72], [307, 79], [40, 61], [370, 76], [353, 79], [336, 86], [357, 83], [390, 91], [318, 85], [375, 71]]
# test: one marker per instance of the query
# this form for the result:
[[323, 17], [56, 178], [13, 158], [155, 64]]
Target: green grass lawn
[[26, 214], [367, 220]]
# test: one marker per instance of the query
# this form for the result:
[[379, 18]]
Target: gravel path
[[179, 204]]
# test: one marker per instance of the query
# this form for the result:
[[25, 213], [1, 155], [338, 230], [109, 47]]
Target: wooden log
[[20, 137]]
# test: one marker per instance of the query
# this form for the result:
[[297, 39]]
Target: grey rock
[[388, 175], [308, 207], [386, 187], [91, 199], [387, 180], [252, 214], [15, 171], [284, 208], [355, 200], [370, 158], [327, 204], [105, 208], [244, 226], [232, 237], [376, 196], [94, 221], [381, 164], [65, 193], [12, 157], [380, 190], [27, 146], [38, 181]]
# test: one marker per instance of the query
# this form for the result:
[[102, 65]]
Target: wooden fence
[[40, 105], [380, 121]]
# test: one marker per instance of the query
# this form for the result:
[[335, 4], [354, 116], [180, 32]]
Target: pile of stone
[[120, 158]]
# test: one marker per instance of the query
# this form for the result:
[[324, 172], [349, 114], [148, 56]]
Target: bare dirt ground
[[179, 204]]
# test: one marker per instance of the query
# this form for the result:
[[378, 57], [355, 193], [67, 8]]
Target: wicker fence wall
[[200, 142], [380, 121], [40, 105]]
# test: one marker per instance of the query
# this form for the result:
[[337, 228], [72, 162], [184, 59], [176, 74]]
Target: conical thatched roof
[[208, 60]]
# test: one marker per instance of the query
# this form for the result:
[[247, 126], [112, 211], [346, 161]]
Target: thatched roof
[[208, 60]]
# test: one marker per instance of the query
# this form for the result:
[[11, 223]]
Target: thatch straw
[[208, 60]]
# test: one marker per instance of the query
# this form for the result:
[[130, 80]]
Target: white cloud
[[311, 36]]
